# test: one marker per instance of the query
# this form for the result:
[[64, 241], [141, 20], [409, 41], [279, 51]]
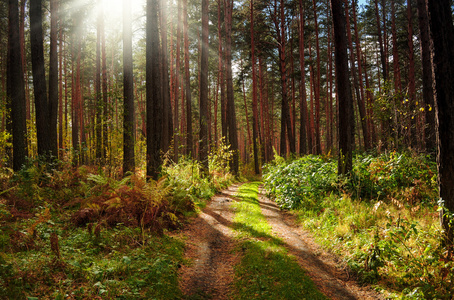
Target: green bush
[[394, 176]]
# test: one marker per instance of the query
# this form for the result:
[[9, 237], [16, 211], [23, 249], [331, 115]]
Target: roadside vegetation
[[78, 233], [382, 219]]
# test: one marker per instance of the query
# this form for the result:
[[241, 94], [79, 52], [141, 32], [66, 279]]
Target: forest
[[123, 123]]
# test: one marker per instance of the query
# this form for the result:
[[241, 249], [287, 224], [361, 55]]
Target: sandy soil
[[211, 240]]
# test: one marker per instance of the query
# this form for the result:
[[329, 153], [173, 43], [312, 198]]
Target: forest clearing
[[250, 149]]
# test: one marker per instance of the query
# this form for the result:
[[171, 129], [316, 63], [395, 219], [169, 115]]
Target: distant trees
[[266, 81]]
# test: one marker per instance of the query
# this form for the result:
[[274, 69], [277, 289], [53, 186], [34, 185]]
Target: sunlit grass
[[266, 270]]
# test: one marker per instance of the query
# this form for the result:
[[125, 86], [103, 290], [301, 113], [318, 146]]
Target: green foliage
[[5, 142], [109, 232], [302, 182], [113, 266], [400, 176], [382, 219]]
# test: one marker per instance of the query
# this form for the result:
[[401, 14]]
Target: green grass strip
[[266, 271]]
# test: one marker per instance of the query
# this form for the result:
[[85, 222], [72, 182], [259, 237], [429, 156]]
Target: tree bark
[[345, 106], [231, 114], [411, 78], [153, 97], [105, 98], [442, 39], [39, 79], [318, 144], [304, 128], [254, 96], [53, 78], [427, 75], [128, 92], [203, 147], [16, 88], [98, 91], [189, 139], [167, 126]]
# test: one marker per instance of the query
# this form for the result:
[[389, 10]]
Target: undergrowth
[[266, 271], [77, 233], [382, 219]]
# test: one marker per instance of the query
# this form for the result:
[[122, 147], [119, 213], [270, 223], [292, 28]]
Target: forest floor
[[211, 240]]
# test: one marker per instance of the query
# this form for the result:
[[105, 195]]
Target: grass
[[78, 233], [382, 220], [115, 264], [266, 270]]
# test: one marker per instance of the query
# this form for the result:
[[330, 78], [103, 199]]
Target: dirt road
[[211, 239]]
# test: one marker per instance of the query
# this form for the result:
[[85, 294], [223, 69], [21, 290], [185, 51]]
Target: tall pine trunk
[[39, 79], [231, 114], [304, 128], [16, 88], [345, 106], [254, 97], [203, 138], [189, 138], [153, 90], [427, 75], [128, 91], [442, 38], [53, 78]]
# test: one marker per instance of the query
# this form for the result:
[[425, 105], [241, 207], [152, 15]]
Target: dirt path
[[321, 267], [210, 241]]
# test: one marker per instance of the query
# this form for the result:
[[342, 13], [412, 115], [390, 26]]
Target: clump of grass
[[266, 271]]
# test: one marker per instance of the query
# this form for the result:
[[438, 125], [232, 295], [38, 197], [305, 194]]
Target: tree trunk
[[167, 125], [427, 88], [442, 34], [254, 97], [61, 145], [53, 78], [203, 138], [98, 91], [105, 99], [304, 128], [128, 91], [380, 43], [231, 114], [345, 106], [177, 82], [153, 85], [16, 89], [411, 78], [39, 79], [189, 139], [318, 144], [23, 55], [396, 67]]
